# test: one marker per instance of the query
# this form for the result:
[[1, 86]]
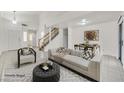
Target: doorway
[[14, 41], [65, 37], [120, 41]]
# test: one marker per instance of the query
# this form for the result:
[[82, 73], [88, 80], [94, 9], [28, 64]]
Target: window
[[42, 34], [31, 37], [25, 36]]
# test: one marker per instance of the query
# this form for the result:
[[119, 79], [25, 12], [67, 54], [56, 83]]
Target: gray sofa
[[73, 59]]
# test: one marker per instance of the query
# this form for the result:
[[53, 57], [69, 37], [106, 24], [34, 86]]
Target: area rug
[[10, 72]]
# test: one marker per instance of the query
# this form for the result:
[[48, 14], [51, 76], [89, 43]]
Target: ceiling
[[31, 18], [72, 18], [64, 18], [97, 18], [93, 17]]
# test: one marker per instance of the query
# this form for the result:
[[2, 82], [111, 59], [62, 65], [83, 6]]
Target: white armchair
[[26, 55]]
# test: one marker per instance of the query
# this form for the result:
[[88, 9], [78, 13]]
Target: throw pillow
[[26, 51]]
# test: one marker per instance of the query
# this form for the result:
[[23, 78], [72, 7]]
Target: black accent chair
[[25, 54]]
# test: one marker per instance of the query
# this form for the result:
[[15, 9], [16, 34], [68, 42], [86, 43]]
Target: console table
[[85, 46]]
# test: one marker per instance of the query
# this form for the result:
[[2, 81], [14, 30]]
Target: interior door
[[120, 41], [65, 37], [14, 39], [122, 44]]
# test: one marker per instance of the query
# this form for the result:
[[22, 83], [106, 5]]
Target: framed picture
[[92, 35]]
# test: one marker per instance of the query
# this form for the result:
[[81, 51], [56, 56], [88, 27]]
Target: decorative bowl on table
[[45, 66]]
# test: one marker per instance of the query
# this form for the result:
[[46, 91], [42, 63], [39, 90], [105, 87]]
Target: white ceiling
[[97, 17], [31, 18], [94, 17], [61, 17], [72, 18], [65, 18]]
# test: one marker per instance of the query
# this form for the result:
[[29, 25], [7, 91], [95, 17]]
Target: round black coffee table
[[50, 75]]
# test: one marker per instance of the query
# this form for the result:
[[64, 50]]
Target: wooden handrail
[[45, 39], [47, 34]]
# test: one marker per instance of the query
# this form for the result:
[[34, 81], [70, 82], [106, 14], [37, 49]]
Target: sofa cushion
[[76, 53], [67, 51], [60, 50], [77, 61], [58, 57], [58, 54], [27, 58], [63, 50]]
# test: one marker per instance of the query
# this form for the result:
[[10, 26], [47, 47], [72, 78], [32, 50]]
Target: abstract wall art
[[92, 35]]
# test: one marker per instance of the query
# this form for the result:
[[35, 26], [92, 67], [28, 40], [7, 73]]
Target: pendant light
[[14, 18]]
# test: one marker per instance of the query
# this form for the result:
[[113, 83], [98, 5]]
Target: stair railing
[[47, 38]]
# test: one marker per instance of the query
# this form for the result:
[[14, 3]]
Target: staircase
[[47, 38]]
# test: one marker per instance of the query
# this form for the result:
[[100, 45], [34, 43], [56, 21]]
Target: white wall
[[65, 37], [11, 36], [3, 35], [14, 39], [108, 37]]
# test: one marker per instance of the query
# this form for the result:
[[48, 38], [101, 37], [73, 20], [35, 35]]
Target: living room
[[66, 31]]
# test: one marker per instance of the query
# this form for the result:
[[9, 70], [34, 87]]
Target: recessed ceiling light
[[83, 22]]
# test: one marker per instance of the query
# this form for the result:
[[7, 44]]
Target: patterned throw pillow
[[86, 55], [63, 51], [59, 50], [26, 51]]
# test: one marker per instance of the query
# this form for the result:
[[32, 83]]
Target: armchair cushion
[[27, 58], [26, 51]]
